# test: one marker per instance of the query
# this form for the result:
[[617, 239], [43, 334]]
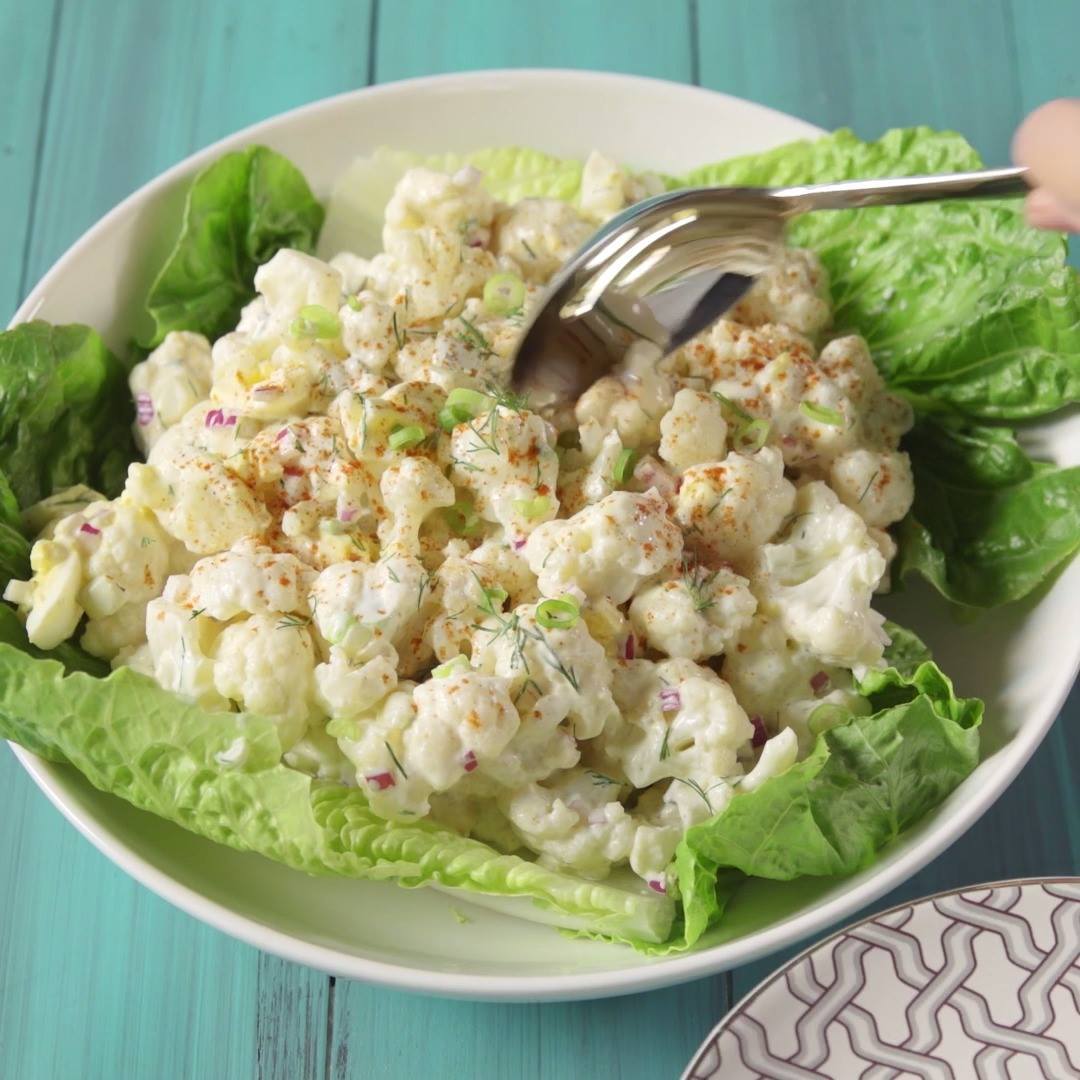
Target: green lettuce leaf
[[65, 411], [14, 547], [961, 302], [988, 524], [863, 783], [220, 776], [239, 211]]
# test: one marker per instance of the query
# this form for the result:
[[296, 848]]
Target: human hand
[[1048, 143]]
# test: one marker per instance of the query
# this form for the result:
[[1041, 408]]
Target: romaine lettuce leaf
[[14, 547], [220, 775], [239, 211], [864, 782], [65, 411], [988, 524]]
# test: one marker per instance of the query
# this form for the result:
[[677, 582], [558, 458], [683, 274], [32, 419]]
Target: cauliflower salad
[[572, 635]]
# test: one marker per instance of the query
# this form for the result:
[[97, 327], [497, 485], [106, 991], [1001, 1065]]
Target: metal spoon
[[670, 266]]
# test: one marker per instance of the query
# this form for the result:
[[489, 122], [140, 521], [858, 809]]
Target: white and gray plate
[[983, 982]]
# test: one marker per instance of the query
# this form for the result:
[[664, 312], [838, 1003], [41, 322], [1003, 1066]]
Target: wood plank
[[382, 1034], [870, 64], [178, 77], [416, 37], [27, 33]]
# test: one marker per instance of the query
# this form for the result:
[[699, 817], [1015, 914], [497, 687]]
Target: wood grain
[[98, 977]]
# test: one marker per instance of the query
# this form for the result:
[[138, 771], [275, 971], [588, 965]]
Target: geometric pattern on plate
[[981, 983]]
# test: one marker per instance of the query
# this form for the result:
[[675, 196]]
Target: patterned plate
[[979, 983]]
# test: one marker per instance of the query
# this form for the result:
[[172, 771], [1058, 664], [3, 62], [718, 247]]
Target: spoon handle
[[851, 194]]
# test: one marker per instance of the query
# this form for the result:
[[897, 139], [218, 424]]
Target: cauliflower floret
[[693, 430], [560, 681], [291, 280], [607, 549], [573, 820], [675, 719], [540, 235], [506, 460], [99, 560], [780, 683], [606, 189], [250, 579], [198, 500], [411, 489], [365, 607], [878, 486], [38, 519], [124, 629], [730, 508], [367, 331], [595, 479], [266, 664], [374, 743], [793, 291], [346, 688], [632, 400], [695, 615], [180, 644], [463, 720], [465, 591], [458, 205], [369, 420], [506, 565], [818, 580], [172, 379]]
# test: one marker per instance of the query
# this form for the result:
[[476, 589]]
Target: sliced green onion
[[624, 466], [451, 667], [738, 410], [403, 437], [557, 614], [533, 508], [504, 294], [472, 401], [752, 435], [496, 596], [822, 414], [354, 302], [450, 418], [315, 321], [462, 518]]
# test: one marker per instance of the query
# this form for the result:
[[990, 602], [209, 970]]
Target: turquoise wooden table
[[100, 978]]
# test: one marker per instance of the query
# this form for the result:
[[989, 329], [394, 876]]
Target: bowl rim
[[649, 974]]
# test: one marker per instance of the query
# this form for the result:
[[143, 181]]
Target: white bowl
[[1019, 661]]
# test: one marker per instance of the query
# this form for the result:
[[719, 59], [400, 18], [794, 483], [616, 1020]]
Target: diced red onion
[[629, 647], [86, 527], [657, 886], [347, 513], [789, 441], [477, 243], [520, 542], [217, 418], [670, 699], [380, 780], [819, 682], [281, 434], [144, 409], [469, 761], [760, 736]]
